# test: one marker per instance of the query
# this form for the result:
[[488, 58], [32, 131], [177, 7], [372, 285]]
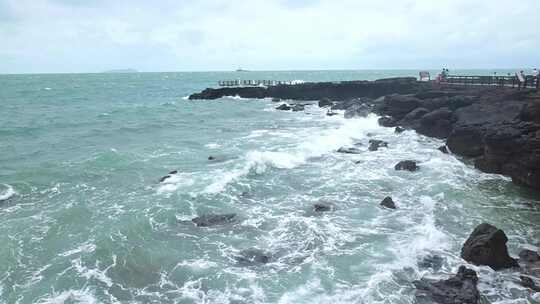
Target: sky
[[46, 36]]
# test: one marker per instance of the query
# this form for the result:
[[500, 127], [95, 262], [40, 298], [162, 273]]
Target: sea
[[84, 217]]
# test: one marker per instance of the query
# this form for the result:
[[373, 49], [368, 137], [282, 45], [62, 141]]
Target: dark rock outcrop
[[437, 123], [284, 107], [397, 106], [325, 102], [208, 220], [462, 289], [529, 282], [350, 150], [298, 108], [252, 257], [387, 202], [357, 110], [407, 165], [399, 129], [487, 246], [387, 121], [375, 144], [318, 90]]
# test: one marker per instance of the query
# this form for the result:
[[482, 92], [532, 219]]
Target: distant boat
[[241, 70]]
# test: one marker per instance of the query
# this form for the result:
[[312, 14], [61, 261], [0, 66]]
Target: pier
[[503, 81]]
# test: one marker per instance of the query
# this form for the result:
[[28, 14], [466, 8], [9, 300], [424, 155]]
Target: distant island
[[122, 71]]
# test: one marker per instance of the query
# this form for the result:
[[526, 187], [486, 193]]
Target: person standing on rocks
[[521, 79]]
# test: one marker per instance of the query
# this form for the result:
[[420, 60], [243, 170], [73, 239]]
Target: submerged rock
[[388, 203], [169, 175], [349, 150], [284, 107], [529, 282], [275, 99], [407, 165], [322, 207], [399, 129], [530, 263], [209, 220], [434, 262], [357, 110], [487, 246], [253, 256], [375, 144], [460, 289], [298, 108]]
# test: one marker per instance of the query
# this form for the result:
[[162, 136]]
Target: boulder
[[351, 150], [298, 107], [529, 282], [387, 202], [460, 289], [375, 144], [284, 107], [399, 130], [415, 115], [325, 102], [487, 246], [357, 110], [397, 106], [208, 220], [530, 263], [252, 257], [407, 165], [437, 123]]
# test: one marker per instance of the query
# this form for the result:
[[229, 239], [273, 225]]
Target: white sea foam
[[83, 296], [174, 182], [213, 146], [86, 248], [7, 193]]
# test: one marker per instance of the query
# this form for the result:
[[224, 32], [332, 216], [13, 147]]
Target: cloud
[[90, 36]]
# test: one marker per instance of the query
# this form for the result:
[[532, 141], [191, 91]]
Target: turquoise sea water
[[84, 218]]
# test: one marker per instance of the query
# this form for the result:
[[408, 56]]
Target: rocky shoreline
[[498, 128]]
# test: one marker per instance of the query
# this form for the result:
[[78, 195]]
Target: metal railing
[[508, 81]]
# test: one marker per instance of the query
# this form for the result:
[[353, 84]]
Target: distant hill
[[122, 71]]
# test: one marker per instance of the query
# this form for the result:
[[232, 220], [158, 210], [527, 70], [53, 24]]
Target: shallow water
[[84, 218]]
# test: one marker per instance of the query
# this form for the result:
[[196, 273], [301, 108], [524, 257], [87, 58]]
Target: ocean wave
[[7, 193]]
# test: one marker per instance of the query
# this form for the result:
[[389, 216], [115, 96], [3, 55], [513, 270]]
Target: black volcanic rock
[[322, 207], [325, 102], [252, 257], [387, 202], [318, 90], [208, 220], [460, 289], [437, 123], [487, 246], [387, 121], [284, 107], [434, 262], [399, 130], [407, 165], [351, 150], [375, 144], [397, 106]]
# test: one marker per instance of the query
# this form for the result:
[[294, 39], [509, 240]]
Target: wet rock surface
[[487, 246], [387, 202], [462, 289], [252, 257], [375, 144], [406, 165], [349, 150], [209, 220]]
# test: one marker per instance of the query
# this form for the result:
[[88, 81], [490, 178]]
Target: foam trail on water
[[8, 193]]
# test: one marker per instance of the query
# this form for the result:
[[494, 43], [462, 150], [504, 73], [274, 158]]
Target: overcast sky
[[188, 35]]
